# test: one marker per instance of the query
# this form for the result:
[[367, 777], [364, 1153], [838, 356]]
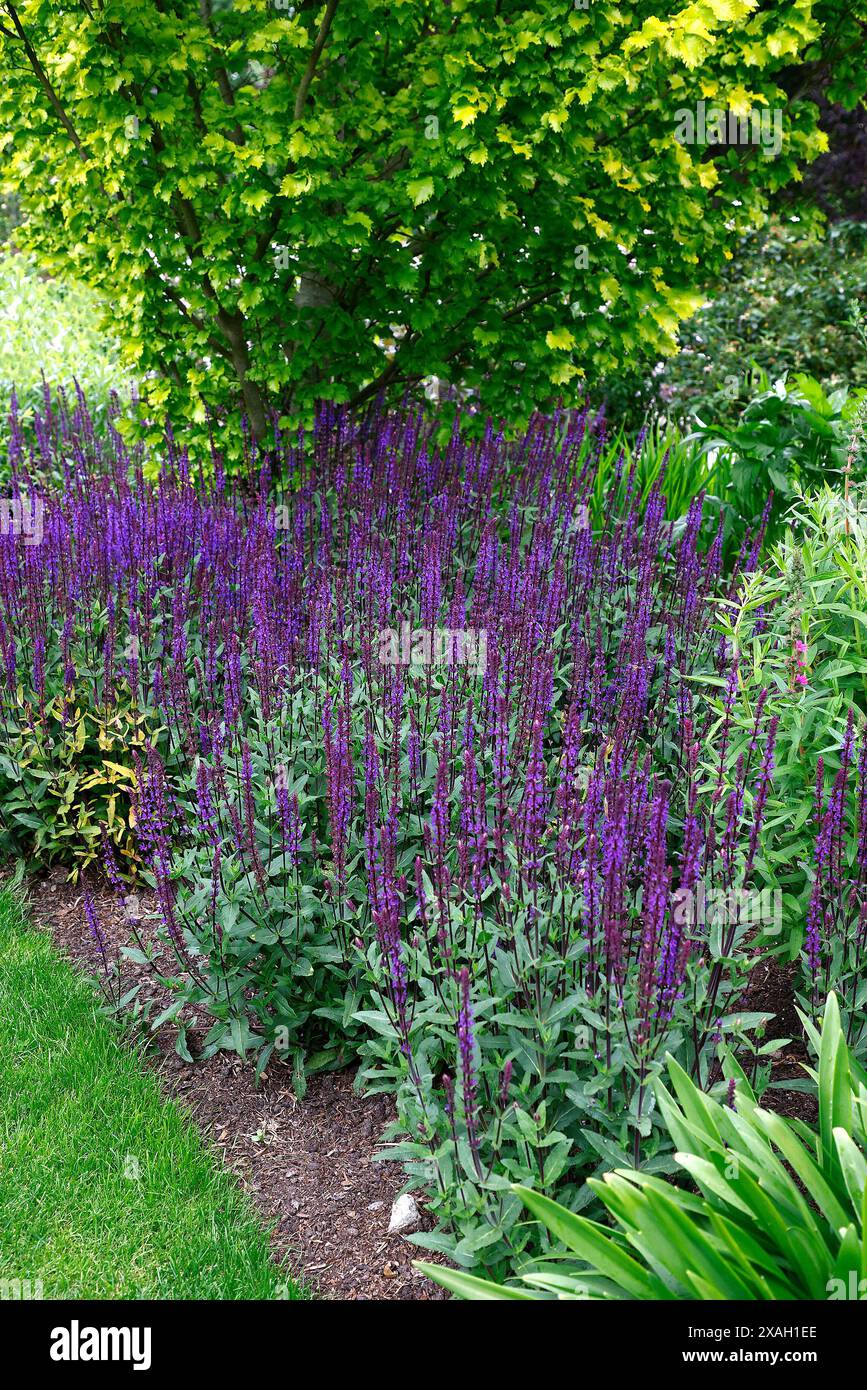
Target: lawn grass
[[106, 1190]]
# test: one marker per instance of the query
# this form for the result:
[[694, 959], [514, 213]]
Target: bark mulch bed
[[310, 1166], [771, 990]]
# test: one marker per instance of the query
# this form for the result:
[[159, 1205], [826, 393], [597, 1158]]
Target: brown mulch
[[771, 990], [310, 1166]]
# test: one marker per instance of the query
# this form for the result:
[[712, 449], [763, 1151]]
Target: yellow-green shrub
[[65, 771]]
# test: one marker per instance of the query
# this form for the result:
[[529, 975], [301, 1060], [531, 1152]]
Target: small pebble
[[404, 1215]]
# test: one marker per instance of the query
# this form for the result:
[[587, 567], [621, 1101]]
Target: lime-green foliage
[[316, 201], [106, 1190], [779, 1211], [784, 302], [52, 327]]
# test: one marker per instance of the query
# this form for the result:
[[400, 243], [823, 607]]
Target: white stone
[[404, 1215]]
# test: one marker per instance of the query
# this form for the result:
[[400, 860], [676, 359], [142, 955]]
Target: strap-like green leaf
[[835, 1098], [593, 1244], [682, 1247], [763, 1267], [712, 1182], [468, 1285], [698, 1108], [812, 1260], [819, 1190], [853, 1166]]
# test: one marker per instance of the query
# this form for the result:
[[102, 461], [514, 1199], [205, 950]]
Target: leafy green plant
[[834, 946], [798, 628], [789, 438], [563, 1090], [660, 456], [769, 1210], [66, 779], [247, 921]]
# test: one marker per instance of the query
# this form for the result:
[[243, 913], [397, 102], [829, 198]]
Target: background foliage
[[781, 307], [52, 331]]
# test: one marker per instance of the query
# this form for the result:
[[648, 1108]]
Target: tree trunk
[[254, 401]]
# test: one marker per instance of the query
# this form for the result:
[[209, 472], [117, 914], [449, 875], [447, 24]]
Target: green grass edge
[[107, 1190]]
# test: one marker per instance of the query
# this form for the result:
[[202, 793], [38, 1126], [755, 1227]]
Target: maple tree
[[291, 203]]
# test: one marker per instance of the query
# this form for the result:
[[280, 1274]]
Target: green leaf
[[593, 1244], [469, 1286], [420, 190], [853, 1166]]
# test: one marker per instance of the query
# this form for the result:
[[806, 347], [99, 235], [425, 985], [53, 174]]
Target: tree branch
[[45, 83], [321, 37], [266, 236], [236, 135], [373, 388]]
